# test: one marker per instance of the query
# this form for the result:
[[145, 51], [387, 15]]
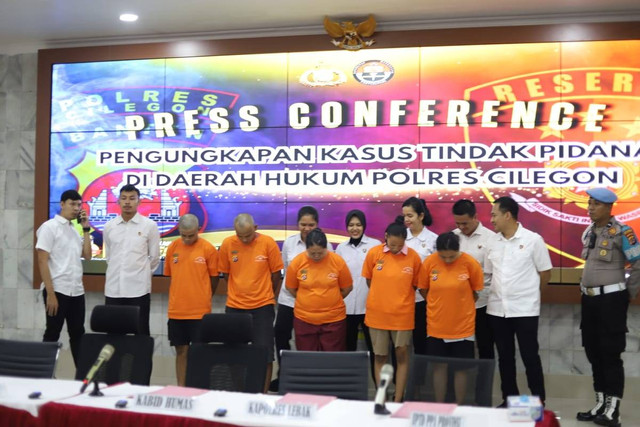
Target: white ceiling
[[27, 25]]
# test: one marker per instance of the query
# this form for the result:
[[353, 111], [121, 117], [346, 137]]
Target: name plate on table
[[171, 403], [298, 411], [426, 419]]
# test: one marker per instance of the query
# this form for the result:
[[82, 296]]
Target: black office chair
[[437, 379], [344, 374], [133, 354], [29, 359], [224, 360]]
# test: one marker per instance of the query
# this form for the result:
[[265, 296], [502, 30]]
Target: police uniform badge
[[175, 258], [379, 264], [234, 256], [630, 244], [434, 275], [303, 274]]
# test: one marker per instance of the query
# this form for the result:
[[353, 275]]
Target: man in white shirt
[[132, 246], [519, 262], [474, 240], [59, 248]]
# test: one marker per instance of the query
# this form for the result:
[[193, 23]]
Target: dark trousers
[[604, 328], [71, 309], [484, 335], [353, 322], [420, 329], [282, 329], [144, 302], [525, 329]]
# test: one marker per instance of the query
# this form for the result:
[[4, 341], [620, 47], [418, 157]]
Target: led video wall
[[269, 133]]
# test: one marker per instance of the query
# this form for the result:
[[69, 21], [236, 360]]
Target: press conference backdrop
[[269, 133]]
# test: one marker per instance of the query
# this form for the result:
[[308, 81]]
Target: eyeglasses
[[592, 240]]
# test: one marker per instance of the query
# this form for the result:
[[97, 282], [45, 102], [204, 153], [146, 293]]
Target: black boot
[[611, 415], [591, 414]]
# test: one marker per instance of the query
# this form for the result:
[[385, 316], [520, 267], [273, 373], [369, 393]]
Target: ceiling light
[[128, 17]]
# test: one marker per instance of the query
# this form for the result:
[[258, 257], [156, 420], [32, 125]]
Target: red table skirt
[[57, 414], [10, 417]]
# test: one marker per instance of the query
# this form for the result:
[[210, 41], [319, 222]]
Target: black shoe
[[598, 409], [610, 417], [274, 385], [502, 405]]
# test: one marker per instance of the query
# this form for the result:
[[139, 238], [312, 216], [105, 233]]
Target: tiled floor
[[566, 394]]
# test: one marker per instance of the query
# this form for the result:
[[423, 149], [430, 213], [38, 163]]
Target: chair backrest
[[431, 376], [225, 360], [31, 359], [133, 354], [344, 374]]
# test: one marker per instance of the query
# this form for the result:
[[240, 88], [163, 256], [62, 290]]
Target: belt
[[601, 290]]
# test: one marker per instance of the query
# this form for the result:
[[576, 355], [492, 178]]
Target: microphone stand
[[381, 409], [96, 389]]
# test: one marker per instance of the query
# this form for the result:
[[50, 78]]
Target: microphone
[[103, 357], [386, 376]]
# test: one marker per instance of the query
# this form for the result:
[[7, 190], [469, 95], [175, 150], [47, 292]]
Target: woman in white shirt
[[419, 238], [354, 251]]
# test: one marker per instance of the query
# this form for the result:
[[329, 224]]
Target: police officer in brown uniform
[[608, 245]]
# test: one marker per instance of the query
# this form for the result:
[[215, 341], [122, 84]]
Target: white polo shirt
[[61, 240], [476, 245], [292, 247], [425, 244], [133, 253], [514, 265], [354, 256]]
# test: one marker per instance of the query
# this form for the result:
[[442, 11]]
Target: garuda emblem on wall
[[349, 36]]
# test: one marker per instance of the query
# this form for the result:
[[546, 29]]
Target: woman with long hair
[[419, 238]]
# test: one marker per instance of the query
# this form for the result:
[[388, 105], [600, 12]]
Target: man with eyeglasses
[[608, 245]]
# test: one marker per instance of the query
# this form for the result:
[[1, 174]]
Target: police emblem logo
[[322, 77], [373, 72]]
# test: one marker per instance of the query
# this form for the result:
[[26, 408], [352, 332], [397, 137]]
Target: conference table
[[61, 404]]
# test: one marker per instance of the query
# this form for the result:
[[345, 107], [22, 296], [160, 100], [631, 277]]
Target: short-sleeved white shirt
[[425, 244], [476, 245], [61, 240], [514, 265], [292, 247], [354, 256], [133, 253]]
